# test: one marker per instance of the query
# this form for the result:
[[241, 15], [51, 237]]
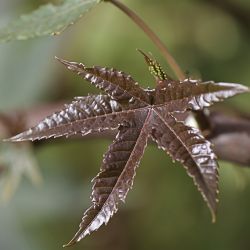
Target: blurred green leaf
[[47, 20], [16, 161]]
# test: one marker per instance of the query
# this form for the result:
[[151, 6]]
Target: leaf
[[139, 113], [195, 94], [47, 20], [116, 177], [84, 115], [17, 161], [117, 84], [187, 145], [155, 68]]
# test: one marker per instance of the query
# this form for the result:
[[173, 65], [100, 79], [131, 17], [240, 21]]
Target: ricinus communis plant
[[139, 115]]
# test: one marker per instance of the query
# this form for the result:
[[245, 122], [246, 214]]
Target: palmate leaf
[[138, 113], [47, 20]]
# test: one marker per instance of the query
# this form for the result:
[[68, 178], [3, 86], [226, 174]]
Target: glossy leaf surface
[[84, 115], [138, 113], [117, 173], [186, 145]]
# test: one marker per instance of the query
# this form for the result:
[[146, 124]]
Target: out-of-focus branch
[[223, 123], [230, 133]]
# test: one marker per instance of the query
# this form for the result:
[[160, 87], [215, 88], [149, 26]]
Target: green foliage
[[16, 161], [47, 20]]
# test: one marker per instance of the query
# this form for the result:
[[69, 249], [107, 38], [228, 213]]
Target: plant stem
[[151, 34], [199, 116]]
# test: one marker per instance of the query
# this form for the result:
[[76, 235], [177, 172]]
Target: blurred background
[[211, 40]]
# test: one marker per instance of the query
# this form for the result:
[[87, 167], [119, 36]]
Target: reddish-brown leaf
[[139, 113], [194, 94], [117, 174], [117, 84], [84, 115], [190, 148]]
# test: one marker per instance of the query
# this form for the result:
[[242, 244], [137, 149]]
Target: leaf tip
[[238, 88], [6, 140], [64, 62], [247, 89], [146, 57], [16, 138], [213, 217], [242, 88], [73, 241], [69, 244], [213, 210], [77, 237], [24, 136], [73, 66]]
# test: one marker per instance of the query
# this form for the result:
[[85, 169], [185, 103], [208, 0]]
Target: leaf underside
[[138, 113], [47, 20]]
